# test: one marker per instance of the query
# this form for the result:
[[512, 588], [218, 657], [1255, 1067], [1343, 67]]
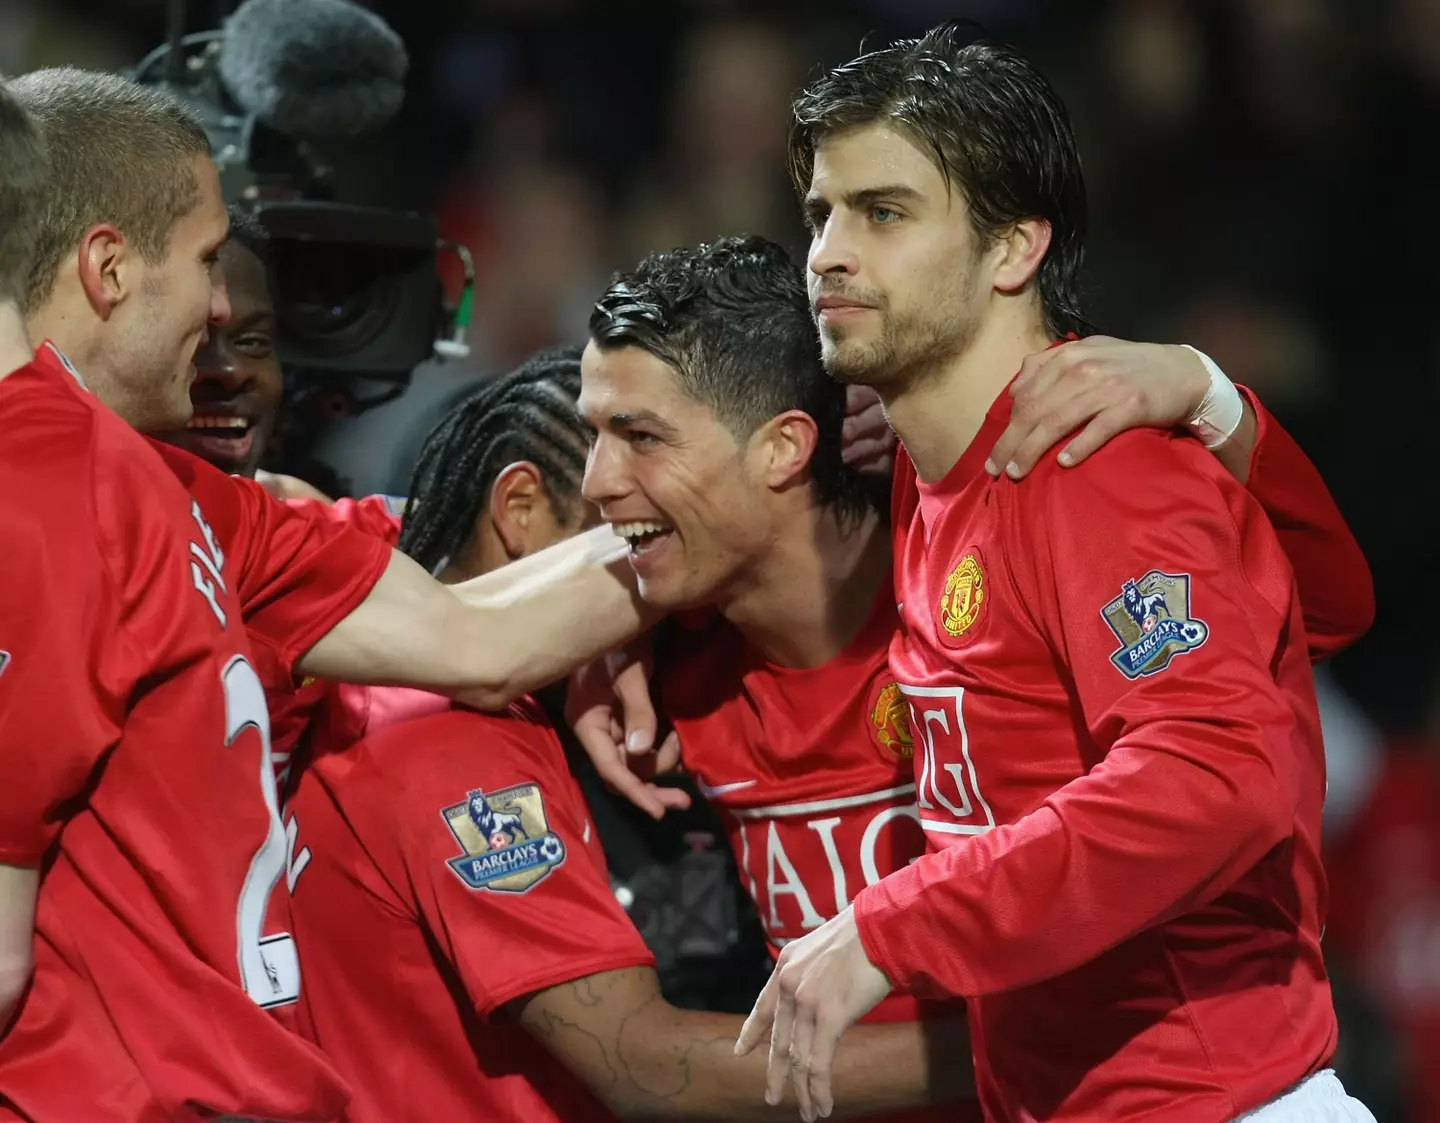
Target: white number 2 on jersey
[[269, 966]]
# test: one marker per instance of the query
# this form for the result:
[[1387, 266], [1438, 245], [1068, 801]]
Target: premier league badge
[[506, 838], [1151, 619]]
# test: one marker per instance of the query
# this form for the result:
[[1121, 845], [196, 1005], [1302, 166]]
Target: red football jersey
[[341, 713], [456, 852], [134, 765], [811, 770], [1120, 773], [294, 705], [810, 767]]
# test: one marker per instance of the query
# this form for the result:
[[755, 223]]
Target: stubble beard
[[914, 345], [909, 349]]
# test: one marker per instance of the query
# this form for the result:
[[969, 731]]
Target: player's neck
[[61, 325], [815, 589], [15, 351], [938, 415]]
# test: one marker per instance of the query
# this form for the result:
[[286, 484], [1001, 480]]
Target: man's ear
[[1022, 249], [103, 265], [515, 501], [787, 443]]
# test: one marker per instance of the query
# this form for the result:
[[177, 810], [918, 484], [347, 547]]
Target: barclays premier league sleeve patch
[[505, 838], [1151, 619]]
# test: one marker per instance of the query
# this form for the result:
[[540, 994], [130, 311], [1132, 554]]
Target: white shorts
[[1319, 1098]]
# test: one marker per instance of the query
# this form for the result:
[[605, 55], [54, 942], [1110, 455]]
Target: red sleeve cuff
[[875, 918]]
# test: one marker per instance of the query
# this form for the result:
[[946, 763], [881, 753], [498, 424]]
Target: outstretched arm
[[494, 638], [335, 602], [648, 1060]]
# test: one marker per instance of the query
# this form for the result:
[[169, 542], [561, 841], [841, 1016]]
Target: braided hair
[[528, 414]]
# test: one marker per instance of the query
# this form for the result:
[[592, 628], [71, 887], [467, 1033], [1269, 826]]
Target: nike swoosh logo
[[722, 789]]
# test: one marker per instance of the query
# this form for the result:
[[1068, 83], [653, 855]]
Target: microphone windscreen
[[313, 68]]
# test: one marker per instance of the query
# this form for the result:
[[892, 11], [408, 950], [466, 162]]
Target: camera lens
[[356, 290], [334, 301]]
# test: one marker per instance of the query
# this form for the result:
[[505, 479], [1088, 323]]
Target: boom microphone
[[313, 69]]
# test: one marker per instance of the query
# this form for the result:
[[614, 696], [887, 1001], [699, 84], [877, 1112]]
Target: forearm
[[648, 1060], [599, 546], [1031, 900], [493, 638], [685, 1067], [571, 603]]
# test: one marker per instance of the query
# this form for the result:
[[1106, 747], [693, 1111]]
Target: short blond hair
[[120, 153]]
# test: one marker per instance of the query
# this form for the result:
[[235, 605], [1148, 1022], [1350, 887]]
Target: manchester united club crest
[[890, 723], [964, 594], [1151, 619], [506, 838]]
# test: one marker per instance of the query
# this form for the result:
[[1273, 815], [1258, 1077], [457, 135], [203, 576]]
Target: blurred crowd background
[[1261, 186]]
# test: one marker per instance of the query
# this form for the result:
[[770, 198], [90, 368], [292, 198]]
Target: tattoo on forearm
[[572, 1039], [584, 993], [621, 1048], [663, 1075]]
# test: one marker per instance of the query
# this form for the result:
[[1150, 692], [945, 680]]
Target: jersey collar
[[64, 360]]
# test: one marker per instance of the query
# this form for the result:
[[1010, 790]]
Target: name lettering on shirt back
[[207, 561]]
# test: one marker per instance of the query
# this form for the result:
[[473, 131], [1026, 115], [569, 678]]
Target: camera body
[[357, 290], [356, 287]]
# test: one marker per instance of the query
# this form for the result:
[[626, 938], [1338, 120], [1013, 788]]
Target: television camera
[[357, 292]]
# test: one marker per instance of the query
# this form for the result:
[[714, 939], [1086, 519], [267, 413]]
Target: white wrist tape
[[1220, 410]]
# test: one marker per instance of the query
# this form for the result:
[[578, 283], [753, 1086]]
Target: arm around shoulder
[[496, 637]]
